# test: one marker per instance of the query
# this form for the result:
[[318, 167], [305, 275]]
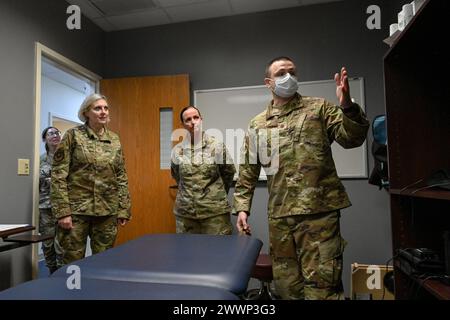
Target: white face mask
[[285, 86]]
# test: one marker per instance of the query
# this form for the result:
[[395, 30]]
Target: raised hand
[[343, 88]]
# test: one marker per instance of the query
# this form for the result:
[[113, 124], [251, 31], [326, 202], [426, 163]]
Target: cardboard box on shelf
[[367, 282]]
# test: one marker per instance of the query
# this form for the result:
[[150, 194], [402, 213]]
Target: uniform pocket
[[282, 244], [330, 261], [299, 127]]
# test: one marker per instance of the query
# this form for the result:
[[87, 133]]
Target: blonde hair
[[87, 104]]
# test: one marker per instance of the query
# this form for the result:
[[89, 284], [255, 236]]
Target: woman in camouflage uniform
[[51, 137], [89, 191], [204, 173]]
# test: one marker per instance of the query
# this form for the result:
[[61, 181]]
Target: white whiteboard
[[233, 108]]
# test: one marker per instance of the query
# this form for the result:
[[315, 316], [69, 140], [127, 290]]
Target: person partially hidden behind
[[51, 137], [204, 173], [89, 185], [305, 193]]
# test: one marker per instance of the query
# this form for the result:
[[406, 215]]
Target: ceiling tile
[[120, 7], [86, 8], [105, 24], [205, 10], [241, 6], [173, 3], [140, 19], [127, 14], [311, 2]]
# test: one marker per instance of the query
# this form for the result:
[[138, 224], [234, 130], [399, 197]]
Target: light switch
[[23, 167]]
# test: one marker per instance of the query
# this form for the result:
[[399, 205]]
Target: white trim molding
[[40, 52]]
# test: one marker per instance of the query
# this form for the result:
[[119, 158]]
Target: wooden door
[[135, 105]]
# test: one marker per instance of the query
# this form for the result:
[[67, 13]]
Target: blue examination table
[[156, 266], [97, 289], [223, 262]]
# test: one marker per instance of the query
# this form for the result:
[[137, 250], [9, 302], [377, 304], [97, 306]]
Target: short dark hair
[[271, 62], [44, 135], [184, 109]]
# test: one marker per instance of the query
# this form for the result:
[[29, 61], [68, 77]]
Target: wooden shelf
[[437, 288], [28, 238], [393, 40], [432, 285], [428, 193], [7, 233], [416, 73]]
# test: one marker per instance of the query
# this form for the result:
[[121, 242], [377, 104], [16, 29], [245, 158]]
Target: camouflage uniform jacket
[[88, 175], [306, 181], [45, 172], [204, 177]]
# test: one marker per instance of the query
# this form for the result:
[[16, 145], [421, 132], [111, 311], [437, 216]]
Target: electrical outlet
[[23, 167]]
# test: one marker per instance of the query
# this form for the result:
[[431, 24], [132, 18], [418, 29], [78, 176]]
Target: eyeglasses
[[53, 133]]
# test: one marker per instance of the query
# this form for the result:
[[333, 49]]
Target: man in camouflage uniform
[[204, 173], [305, 193], [89, 186]]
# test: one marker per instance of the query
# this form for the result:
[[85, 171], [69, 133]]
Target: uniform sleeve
[[348, 128], [249, 169], [227, 169], [59, 196], [174, 165], [41, 174], [122, 182]]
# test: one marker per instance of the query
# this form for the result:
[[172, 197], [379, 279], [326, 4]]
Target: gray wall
[[232, 51], [217, 53], [22, 22]]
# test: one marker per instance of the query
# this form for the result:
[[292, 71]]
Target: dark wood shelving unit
[[417, 91], [431, 194], [438, 289]]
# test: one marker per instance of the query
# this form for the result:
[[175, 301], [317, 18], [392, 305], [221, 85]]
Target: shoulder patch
[[59, 155]]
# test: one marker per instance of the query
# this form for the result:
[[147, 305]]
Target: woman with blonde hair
[[89, 191]]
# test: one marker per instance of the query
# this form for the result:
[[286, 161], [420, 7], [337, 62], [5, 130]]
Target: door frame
[[40, 52]]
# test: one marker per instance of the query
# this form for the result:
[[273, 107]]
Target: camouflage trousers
[[47, 225], [218, 225], [306, 253], [101, 230]]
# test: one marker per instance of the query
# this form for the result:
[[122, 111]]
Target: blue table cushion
[[223, 262], [96, 289]]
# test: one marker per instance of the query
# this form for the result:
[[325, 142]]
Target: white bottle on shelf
[[393, 28], [407, 13], [401, 20], [416, 4]]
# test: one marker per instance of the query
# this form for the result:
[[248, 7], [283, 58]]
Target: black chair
[[263, 272]]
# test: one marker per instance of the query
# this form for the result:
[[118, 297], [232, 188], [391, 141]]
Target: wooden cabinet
[[417, 89]]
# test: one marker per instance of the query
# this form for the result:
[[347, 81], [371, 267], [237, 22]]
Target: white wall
[[59, 99]]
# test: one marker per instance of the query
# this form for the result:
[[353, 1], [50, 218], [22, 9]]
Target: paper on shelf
[[6, 227]]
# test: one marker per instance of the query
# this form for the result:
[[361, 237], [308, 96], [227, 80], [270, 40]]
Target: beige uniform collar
[[295, 103], [186, 144], [91, 134]]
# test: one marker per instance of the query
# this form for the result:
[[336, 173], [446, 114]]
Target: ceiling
[[112, 15], [70, 79]]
